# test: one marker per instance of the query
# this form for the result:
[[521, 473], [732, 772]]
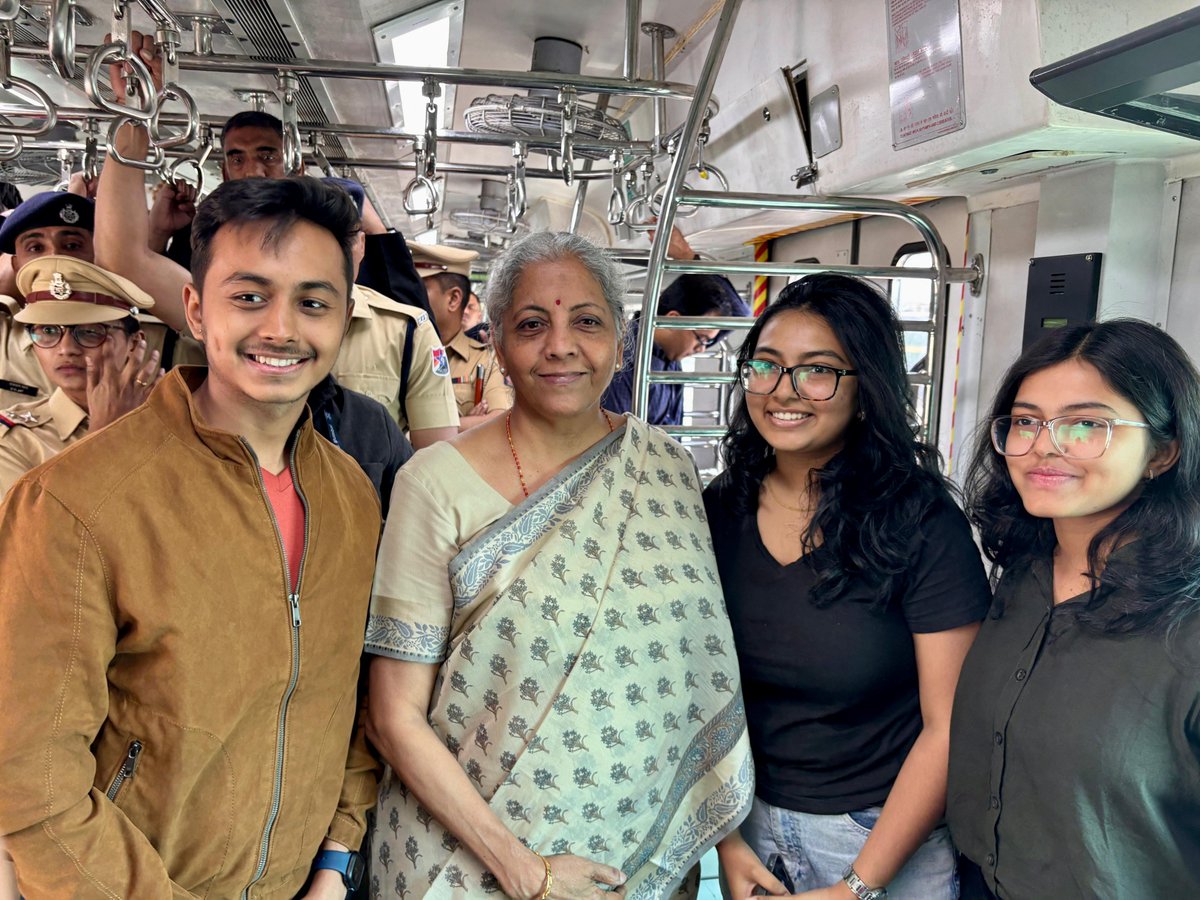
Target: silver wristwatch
[[859, 888]]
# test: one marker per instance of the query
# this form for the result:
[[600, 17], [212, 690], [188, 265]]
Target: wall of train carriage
[[1108, 187]]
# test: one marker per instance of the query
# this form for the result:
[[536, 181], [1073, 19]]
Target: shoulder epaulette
[[5, 420]]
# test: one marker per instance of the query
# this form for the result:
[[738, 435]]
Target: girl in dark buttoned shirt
[[854, 590], [1075, 745]]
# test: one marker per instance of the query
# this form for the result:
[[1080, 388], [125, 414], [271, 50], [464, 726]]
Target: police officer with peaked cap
[[479, 386], [50, 223], [78, 317]]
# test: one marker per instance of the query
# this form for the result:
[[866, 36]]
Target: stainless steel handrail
[[375, 71], [679, 165], [940, 276]]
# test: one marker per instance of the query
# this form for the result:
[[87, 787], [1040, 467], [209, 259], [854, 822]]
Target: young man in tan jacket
[[184, 593]]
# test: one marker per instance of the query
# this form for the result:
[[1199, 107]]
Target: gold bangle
[[549, 876]]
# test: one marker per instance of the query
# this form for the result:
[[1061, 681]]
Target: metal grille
[[270, 42], [539, 117]]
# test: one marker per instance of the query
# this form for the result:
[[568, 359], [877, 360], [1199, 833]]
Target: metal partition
[[939, 277]]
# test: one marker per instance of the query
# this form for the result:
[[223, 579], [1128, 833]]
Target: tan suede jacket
[[172, 722]]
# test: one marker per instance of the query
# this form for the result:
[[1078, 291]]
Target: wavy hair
[[1159, 580], [875, 491], [551, 246]]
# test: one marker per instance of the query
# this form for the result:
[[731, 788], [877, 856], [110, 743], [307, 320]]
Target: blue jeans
[[813, 851]]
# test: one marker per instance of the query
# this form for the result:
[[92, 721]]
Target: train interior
[[1031, 162], [864, 136]]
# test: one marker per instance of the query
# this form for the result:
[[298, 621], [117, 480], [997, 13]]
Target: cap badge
[[68, 214], [60, 288]]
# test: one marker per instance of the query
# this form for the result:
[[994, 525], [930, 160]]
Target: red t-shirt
[[289, 514]]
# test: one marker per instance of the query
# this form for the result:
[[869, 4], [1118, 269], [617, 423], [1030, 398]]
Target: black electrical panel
[[1062, 290]]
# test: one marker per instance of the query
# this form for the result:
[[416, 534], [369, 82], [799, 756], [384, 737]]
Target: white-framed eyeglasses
[[1075, 437]]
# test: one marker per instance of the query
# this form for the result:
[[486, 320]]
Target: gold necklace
[[513, 448], [778, 499]]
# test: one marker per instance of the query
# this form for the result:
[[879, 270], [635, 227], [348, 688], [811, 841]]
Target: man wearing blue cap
[[45, 224]]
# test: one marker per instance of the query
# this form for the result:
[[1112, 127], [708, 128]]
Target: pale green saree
[[588, 682]]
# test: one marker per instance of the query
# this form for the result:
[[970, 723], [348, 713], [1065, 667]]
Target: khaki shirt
[[371, 361], [21, 375], [466, 355], [31, 433]]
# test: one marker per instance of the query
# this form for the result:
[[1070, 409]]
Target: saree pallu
[[589, 686]]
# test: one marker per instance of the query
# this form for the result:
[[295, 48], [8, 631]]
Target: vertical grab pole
[[666, 221], [940, 285], [582, 187], [633, 15]]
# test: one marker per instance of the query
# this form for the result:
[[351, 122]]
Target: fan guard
[[482, 221], [487, 251], [519, 116], [32, 167]]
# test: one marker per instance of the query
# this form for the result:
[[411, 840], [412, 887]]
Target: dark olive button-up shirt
[[1074, 756]]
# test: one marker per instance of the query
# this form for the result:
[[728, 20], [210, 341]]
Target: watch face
[[355, 871]]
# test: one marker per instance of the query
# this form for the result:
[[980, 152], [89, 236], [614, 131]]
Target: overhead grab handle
[[566, 149], [173, 172], [420, 182], [431, 89], [140, 82], [616, 198], [151, 164], [293, 158], [13, 145], [46, 117], [158, 135], [61, 40], [518, 197]]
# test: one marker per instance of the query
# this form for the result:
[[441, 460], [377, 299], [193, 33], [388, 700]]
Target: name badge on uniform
[[441, 363], [18, 388]]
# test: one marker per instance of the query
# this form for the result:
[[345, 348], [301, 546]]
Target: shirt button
[[998, 738], [1021, 673], [991, 859], [994, 802]]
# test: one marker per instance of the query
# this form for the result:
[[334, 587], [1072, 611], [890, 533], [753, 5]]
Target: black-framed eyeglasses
[[704, 340], [812, 382], [1075, 437], [87, 336]]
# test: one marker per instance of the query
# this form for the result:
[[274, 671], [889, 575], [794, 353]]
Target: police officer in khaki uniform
[[479, 386], [84, 328], [50, 223], [392, 354]]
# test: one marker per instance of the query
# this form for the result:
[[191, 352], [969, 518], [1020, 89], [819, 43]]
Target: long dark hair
[[875, 491], [1161, 576]]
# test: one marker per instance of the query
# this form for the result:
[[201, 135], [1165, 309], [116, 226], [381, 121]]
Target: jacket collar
[[65, 414], [174, 403]]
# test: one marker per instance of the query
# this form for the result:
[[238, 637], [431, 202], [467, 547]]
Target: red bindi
[[557, 302]]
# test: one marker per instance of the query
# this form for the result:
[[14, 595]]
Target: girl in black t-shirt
[[854, 590]]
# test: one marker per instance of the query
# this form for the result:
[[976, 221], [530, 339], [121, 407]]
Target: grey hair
[[551, 246]]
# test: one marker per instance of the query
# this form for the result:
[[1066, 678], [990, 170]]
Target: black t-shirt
[[831, 694]]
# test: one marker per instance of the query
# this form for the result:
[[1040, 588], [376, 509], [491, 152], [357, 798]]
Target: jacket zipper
[[293, 601], [128, 767]]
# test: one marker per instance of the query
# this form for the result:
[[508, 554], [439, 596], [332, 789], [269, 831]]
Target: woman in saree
[[554, 687]]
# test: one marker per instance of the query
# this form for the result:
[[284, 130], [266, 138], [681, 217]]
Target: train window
[[808, 261], [913, 302], [428, 37]]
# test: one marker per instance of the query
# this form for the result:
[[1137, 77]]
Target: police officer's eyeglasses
[[86, 336], [1075, 437], [706, 341], [761, 376]]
